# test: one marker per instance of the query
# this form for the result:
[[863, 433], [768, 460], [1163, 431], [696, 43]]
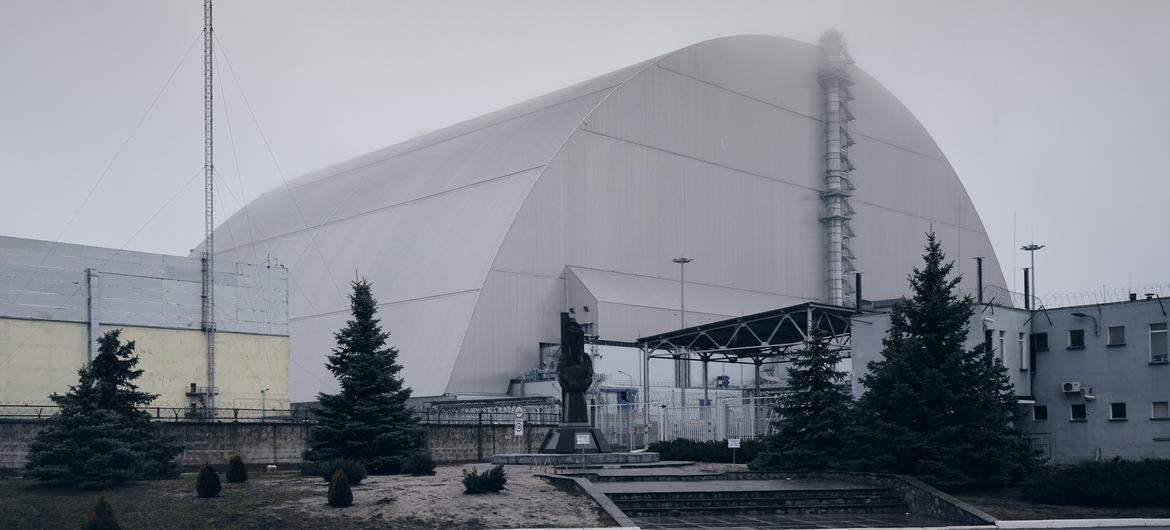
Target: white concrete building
[[56, 299], [741, 153]]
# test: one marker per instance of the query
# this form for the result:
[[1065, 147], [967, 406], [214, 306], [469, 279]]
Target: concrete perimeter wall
[[283, 443]]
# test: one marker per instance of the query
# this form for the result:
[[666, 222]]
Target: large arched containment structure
[[477, 236]]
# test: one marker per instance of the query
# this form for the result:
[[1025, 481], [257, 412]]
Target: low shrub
[[101, 517], [1112, 483], [355, 472], [339, 494], [207, 483], [236, 472], [418, 463], [490, 481], [714, 451]]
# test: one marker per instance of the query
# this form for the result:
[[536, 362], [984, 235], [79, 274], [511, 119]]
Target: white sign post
[[518, 429], [583, 440], [733, 444]]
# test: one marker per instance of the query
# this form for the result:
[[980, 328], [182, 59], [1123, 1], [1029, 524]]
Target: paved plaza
[[721, 486], [743, 522]]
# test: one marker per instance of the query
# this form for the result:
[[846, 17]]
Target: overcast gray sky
[[1052, 113]]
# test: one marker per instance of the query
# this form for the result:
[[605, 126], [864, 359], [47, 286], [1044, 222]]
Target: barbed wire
[[995, 294]]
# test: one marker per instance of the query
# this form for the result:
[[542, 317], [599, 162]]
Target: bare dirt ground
[[293, 501], [438, 502]]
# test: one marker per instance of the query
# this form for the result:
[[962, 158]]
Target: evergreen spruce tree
[[932, 408], [813, 414], [367, 421], [100, 436]]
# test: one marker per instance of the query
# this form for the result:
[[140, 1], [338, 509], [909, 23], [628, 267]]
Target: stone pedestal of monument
[[576, 459], [574, 438]]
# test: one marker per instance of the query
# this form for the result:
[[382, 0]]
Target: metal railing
[[625, 426], [161, 413], [24, 411]]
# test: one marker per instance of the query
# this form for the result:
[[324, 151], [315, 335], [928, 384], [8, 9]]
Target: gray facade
[[1093, 381], [42, 280], [1130, 371]]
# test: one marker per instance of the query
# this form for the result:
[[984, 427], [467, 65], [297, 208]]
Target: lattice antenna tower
[[208, 207], [835, 81]]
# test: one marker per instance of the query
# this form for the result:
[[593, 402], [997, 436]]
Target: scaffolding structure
[[208, 255], [779, 334], [835, 81]]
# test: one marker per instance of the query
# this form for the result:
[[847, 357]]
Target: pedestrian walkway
[[724, 486], [774, 521]]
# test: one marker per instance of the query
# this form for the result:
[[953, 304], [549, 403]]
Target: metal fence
[[539, 416], [488, 417], [171, 414], [624, 424], [626, 427]]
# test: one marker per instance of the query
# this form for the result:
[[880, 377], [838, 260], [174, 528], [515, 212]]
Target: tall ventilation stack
[[835, 82]]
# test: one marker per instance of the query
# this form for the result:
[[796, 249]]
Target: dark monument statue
[[575, 374]]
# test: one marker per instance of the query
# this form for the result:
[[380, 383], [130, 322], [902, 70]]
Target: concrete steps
[[682, 503]]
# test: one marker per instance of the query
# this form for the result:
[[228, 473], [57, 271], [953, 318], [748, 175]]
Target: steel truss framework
[[779, 334]]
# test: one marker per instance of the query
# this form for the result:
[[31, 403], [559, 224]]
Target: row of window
[[1159, 410], [1001, 349], [1115, 336]]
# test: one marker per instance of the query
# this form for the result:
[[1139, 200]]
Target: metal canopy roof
[[776, 333]]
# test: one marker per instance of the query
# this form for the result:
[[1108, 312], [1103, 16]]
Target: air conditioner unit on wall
[[1070, 387]]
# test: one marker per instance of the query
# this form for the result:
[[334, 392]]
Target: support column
[[706, 396], [646, 396], [92, 313], [756, 399]]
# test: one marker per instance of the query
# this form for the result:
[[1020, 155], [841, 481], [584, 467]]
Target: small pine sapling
[[101, 517], [207, 484], [355, 472], [236, 472], [490, 481], [419, 463], [339, 495]]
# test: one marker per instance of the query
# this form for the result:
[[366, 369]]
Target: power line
[[106, 171], [244, 205], [10, 354], [279, 170]]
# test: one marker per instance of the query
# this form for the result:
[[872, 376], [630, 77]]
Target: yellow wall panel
[[38, 358]]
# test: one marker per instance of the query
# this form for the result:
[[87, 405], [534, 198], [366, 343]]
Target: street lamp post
[[1032, 248], [264, 404], [683, 368]]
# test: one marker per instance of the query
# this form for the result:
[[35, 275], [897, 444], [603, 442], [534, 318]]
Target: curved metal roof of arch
[[424, 220]]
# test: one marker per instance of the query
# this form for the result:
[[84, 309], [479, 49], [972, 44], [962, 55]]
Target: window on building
[[1039, 412], [1078, 412], [1158, 346], [1001, 351], [1117, 411], [1076, 338], [1116, 335], [1160, 410], [1039, 342], [987, 345], [1023, 352]]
